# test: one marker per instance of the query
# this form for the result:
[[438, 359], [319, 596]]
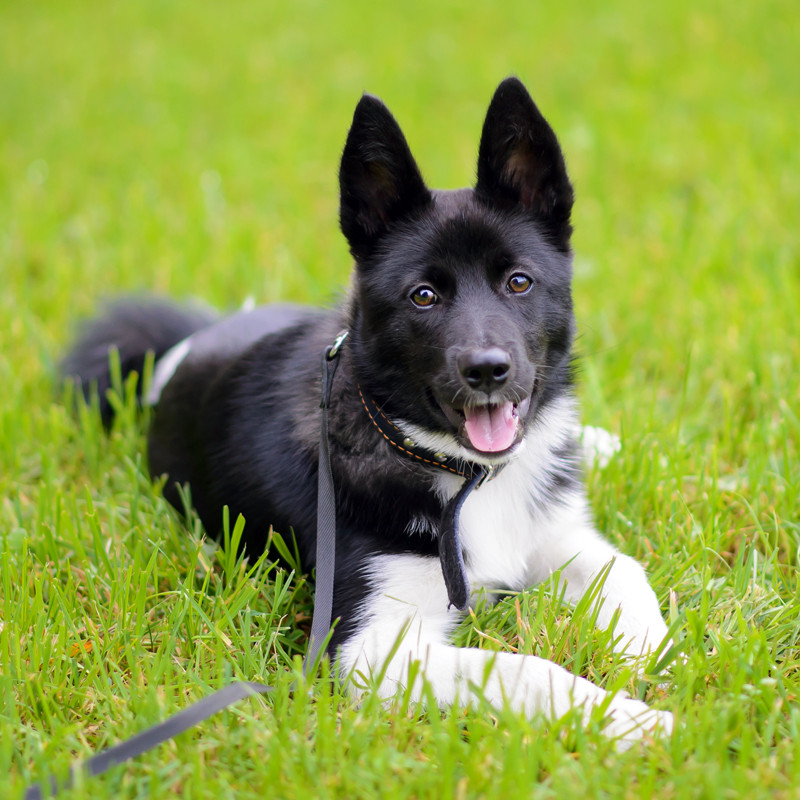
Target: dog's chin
[[490, 430]]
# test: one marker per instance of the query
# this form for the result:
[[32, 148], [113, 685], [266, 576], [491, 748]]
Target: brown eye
[[424, 296], [519, 283]]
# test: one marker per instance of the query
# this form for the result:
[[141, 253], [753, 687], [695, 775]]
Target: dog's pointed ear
[[520, 162], [379, 180]]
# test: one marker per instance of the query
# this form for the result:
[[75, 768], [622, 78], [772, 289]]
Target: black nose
[[485, 370]]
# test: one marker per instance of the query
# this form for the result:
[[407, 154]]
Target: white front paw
[[645, 640], [630, 720]]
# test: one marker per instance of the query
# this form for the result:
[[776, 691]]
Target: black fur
[[134, 326], [242, 430]]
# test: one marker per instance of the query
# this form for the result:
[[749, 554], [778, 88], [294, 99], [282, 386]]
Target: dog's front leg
[[570, 539], [406, 620]]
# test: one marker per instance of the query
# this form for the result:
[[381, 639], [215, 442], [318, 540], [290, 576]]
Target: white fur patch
[[166, 368]]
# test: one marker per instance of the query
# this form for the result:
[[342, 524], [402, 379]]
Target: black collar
[[410, 449]]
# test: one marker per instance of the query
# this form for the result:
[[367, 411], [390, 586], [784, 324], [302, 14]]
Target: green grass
[[192, 148]]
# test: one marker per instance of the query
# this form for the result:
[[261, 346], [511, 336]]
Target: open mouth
[[490, 428]]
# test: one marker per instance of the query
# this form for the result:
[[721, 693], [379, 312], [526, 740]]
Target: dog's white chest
[[498, 533]]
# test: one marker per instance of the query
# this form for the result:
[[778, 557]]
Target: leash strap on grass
[[152, 737], [234, 692]]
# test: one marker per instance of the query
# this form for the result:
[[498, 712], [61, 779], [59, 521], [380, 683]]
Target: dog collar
[[410, 449]]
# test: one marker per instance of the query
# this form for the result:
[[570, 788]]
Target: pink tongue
[[491, 429]]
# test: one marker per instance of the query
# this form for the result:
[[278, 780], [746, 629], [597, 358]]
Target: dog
[[459, 352]]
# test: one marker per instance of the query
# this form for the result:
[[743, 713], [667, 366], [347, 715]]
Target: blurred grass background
[[192, 149]]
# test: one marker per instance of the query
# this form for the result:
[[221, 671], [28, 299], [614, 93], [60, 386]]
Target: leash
[[450, 555], [326, 515], [234, 692], [152, 737]]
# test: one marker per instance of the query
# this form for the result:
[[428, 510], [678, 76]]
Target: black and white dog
[[459, 356]]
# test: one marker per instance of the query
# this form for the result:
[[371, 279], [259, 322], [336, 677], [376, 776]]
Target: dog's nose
[[485, 370]]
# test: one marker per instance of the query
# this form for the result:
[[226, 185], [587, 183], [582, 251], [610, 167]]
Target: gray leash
[[234, 692], [326, 515], [152, 737]]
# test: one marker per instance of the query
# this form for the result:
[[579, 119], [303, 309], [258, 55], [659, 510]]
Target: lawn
[[192, 149]]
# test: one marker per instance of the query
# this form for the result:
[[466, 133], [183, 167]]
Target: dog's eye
[[519, 283], [424, 296]]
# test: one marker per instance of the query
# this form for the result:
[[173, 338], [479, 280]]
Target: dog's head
[[462, 317]]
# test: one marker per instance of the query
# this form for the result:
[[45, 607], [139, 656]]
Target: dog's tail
[[134, 326]]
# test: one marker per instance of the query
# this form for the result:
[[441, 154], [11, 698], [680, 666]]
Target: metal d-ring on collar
[[333, 350]]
